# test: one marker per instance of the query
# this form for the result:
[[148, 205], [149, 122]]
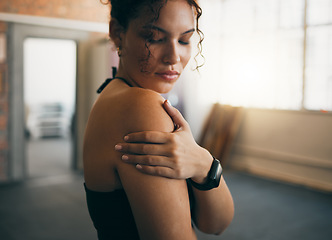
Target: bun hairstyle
[[126, 10]]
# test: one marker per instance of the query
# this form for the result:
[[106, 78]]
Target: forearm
[[214, 209]]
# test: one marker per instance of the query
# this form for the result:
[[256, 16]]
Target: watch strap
[[213, 177]]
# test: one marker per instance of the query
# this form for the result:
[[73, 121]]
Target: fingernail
[[168, 102], [138, 166], [124, 157], [126, 138], [118, 147]]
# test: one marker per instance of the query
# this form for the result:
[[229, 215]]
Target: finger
[[157, 171], [143, 149], [149, 160], [147, 137], [175, 114]]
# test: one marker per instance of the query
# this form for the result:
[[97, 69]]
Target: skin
[[170, 47], [157, 192], [171, 155]]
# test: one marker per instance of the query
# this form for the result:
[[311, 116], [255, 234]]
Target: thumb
[[176, 116]]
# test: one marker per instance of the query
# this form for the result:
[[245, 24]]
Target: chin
[[159, 87], [164, 90]]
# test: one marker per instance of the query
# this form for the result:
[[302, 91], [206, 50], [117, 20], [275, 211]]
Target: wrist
[[213, 177], [203, 168]]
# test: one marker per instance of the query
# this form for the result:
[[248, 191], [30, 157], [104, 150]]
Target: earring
[[119, 50]]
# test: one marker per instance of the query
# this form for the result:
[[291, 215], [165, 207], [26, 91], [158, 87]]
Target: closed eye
[[160, 40], [184, 42]]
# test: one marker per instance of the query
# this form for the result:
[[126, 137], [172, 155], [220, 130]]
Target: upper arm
[[160, 205]]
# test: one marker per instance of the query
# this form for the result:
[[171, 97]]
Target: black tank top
[[111, 215], [111, 212]]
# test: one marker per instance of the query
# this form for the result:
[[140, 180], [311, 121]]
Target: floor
[[52, 206], [267, 210], [48, 157]]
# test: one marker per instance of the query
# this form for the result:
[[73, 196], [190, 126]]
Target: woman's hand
[[172, 155]]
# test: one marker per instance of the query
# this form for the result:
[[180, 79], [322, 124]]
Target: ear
[[116, 32]]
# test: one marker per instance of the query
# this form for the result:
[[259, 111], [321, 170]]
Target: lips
[[169, 75]]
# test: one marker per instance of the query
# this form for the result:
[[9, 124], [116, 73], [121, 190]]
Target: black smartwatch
[[213, 177]]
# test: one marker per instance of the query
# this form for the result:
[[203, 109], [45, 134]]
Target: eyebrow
[[153, 27]]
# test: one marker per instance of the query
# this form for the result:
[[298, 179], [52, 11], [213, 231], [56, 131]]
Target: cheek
[[138, 55], [138, 52], [141, 51], [186, 57]]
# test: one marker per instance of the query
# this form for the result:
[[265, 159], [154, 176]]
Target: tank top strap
[[108, 80]]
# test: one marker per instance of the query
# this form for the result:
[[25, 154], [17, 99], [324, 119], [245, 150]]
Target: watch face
[[215, 173]]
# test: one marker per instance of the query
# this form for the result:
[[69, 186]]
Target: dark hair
[[126, 10]]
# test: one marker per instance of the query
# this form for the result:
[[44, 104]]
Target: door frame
[[17, 34]]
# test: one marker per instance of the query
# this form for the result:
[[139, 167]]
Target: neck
[[122, 75], [124, 80]]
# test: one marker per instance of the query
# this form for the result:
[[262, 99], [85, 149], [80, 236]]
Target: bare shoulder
[[131, 109], [143, 111], [116, 113]]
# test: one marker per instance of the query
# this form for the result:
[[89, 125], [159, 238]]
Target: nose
[[171, 54]]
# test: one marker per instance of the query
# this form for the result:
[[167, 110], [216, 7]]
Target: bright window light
[[50, 71], [255, 54]]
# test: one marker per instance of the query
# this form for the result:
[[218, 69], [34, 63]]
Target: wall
[[85, 10], [288, 146], [3, 102], [291, 146], [96, 60]]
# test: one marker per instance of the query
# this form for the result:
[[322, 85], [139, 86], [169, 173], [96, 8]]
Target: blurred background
[[261, 103]]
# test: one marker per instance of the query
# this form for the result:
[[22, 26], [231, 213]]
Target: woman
[[139, 191]]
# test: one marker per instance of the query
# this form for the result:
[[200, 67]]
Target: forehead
[[173, 14]]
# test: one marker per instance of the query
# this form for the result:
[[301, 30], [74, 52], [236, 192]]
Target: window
[[318, 68], [268, 53]]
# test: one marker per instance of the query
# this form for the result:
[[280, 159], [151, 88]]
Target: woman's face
[[155, 54]]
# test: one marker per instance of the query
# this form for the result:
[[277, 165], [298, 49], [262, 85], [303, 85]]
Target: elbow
[[209, 229], [215, 229], [216, 226], [221, 228]]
